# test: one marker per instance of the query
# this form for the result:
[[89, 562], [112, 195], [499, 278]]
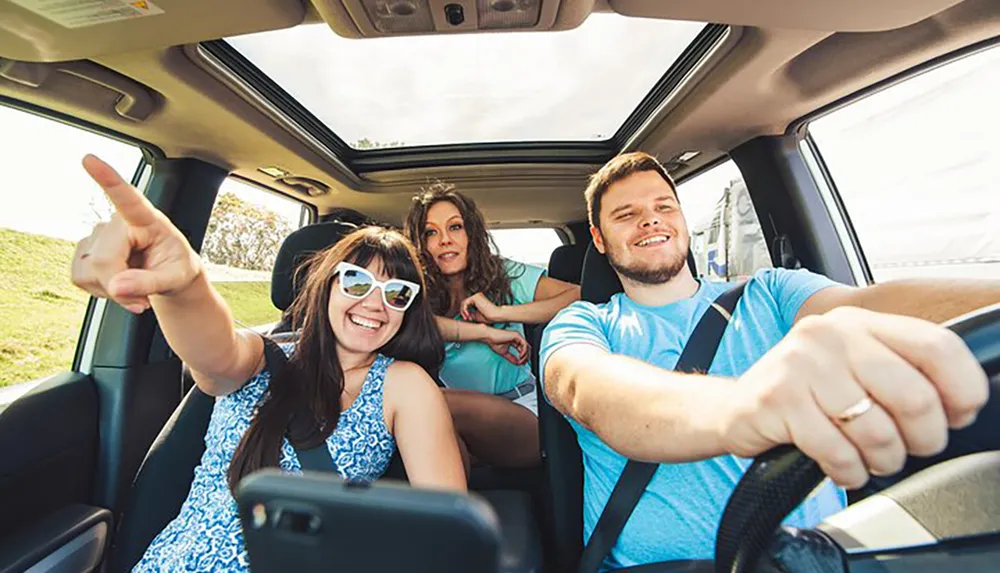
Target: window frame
[[821, 174], [313, 212], [717, 230], [561, 233], [308, 215], [90, 326], [837, 211]]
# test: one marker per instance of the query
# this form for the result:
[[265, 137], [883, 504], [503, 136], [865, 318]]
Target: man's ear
[[595, 234]]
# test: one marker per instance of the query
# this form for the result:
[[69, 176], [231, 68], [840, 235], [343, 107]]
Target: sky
[[579, 84], [923, 155], [47, 192]]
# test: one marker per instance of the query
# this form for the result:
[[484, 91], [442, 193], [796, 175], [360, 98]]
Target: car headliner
[[781, 60]]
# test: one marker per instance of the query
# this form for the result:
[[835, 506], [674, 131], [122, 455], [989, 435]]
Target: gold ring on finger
[[855, 411]]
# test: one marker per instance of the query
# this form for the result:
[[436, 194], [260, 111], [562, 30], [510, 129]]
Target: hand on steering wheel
[[781, 478], [856, 391]]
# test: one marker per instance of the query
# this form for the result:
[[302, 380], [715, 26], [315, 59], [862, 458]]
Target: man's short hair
[[617, 169]]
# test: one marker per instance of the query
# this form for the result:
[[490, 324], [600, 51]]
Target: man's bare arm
[[641, 411], [936, 300]]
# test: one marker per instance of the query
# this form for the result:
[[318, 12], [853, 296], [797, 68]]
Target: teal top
[[474, 365]]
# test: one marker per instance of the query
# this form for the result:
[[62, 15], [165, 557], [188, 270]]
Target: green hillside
[[41, 311]]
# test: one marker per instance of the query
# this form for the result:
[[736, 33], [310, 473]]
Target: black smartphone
[[317, 522]]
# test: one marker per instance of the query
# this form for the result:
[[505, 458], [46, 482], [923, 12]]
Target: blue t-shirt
[[474, 365], [678, 515]]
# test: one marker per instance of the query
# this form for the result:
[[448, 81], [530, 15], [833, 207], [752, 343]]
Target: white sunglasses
[[358, 282]]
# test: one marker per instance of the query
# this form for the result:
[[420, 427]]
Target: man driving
[[856, 378]]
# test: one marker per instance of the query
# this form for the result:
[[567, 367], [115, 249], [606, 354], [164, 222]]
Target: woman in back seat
[[492, 393], [356, 377]]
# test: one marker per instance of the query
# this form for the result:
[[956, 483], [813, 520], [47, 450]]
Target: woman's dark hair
[[485, 270], [312, 381]]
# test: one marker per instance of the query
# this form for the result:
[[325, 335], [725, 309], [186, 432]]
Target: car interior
[[294, 97]]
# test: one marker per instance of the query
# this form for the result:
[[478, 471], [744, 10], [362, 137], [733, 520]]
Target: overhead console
[[374, 18], [379, 18]]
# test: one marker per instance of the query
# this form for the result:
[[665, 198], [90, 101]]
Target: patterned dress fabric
[[206, 535]]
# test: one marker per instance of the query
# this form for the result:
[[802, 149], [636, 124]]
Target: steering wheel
[[780, 479]]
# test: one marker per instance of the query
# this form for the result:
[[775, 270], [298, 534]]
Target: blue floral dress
[[206, 535]]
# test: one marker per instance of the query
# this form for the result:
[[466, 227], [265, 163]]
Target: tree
[[243, 235], [365, 143]]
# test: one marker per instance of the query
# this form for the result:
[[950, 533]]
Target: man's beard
[[648, 276]]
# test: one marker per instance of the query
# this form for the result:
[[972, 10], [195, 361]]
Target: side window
[[726, 238], [915, 166], [244, 233], [48, 204], [531, 245]]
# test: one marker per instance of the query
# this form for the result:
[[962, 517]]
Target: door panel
[[70, 540], [49, 442]]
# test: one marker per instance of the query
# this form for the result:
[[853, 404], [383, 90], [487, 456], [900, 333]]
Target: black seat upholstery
[[561, 535], [566, 262], [562, 485], [163, 481], [563, 460]]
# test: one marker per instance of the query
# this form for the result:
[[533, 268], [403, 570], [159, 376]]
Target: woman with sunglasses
[[483, 301], [355, 381]]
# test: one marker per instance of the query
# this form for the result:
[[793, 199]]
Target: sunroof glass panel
[[576, 85]]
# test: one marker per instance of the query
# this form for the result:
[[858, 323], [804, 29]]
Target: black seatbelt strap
[[697, 356], [316, 459]]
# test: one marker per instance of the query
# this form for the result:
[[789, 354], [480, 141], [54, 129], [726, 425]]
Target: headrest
[[599, 282], [345, 215], [566, 262], [297, 247]]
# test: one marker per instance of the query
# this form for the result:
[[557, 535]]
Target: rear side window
[[915, 167], [48, 204], [529, 245], [245, 231], [726, 239]]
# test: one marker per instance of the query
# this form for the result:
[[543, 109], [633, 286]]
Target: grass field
[[41, 311]]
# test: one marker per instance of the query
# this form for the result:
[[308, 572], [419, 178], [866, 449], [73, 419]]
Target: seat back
[[562, 535], [562, 484], [164, 478], [563, 481], [566, 262]]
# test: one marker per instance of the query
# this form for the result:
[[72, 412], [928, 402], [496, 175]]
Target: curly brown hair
[[485, 270]]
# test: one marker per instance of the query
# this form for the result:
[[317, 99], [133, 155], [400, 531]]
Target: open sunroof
[[578, 87]]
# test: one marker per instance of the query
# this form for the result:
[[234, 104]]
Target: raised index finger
[[133, 207]]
